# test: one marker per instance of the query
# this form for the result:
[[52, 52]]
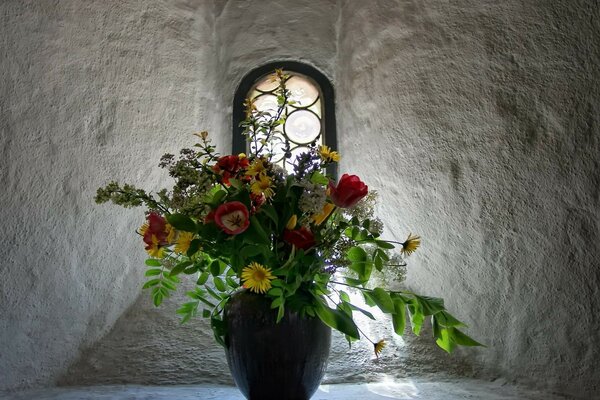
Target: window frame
[[328, 102]]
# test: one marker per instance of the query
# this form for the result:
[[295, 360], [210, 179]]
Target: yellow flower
[[171, 232], [154, 249], [411, 244], [257, 278], [143, 229], [327, 155], [379, 347], [249, 107], [292, 222], [278, 75], [202, 135], [257, 167], [183, 242], [262, 185], [327, 209]]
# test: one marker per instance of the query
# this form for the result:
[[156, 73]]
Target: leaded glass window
[[303, 124], [309, 118]]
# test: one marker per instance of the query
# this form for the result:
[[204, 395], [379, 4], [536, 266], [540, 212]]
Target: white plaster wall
[[89, 91], [477, 122]]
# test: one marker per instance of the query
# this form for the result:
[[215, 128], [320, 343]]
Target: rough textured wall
[[89, 91], [475, 120], [478, 122]]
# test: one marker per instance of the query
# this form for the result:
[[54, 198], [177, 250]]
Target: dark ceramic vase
[[269, 360]]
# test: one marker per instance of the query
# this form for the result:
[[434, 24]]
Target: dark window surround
[[328, 99]]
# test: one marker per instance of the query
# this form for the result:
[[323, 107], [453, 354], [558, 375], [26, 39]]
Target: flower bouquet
[[287, 231]]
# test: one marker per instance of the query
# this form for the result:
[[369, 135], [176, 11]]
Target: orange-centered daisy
[[257, 278], [262, 185], [411, 244], [379, 347]]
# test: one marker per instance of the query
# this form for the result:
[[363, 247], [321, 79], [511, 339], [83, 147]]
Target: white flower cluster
[[313, 198]]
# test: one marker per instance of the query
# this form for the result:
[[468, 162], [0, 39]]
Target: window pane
[[302, 91], [303, 118], [302, 126]]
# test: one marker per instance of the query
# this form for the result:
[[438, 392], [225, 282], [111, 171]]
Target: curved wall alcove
[[477, 123]]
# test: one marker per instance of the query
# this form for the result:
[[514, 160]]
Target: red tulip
[[232, 217], [229, 166], [302, 238], [349, 191]]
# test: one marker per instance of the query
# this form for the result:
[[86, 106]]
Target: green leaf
[[203, 278], [153, 262], [216, 200], [337, 319], [464, 340], [280, 312], [274, 292], [153, 272], [344, 296], [260, 236], [270, 211], [430, 305], [365, 312], [206, 313], [318, 178], [182, 222], [180, 267], [416, 316], [194, 247], [384, 245], [399, 316], [215, 268], [157, 298], [356, 254], [168, 285], [277, 302], [232, 283], [369, 299], [383, 300], [219, 284], [150, 283], [251, 250], [447, 320], [445, 341]]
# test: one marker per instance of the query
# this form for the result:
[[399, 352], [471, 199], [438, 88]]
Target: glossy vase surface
[[269, 360]]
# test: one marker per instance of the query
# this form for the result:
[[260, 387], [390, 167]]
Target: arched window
[[310, 119]]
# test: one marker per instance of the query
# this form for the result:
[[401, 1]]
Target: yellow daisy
[[262, 185], [379, 347], [257, 167], [411, 244], [257, 278], [171, 232], [327, 155], [155, 250], [183, 242], [143, 229]]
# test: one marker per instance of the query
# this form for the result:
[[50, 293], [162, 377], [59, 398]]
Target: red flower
[[232, 217], [156, 226], [302, 238], [229, 166], [257, 200], [349, 191], [210, 217]]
